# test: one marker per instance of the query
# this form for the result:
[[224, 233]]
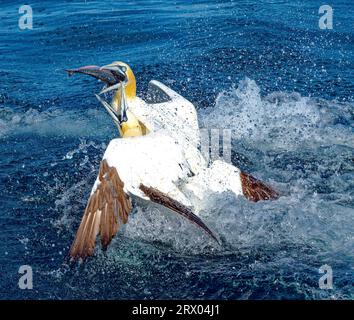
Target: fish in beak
[[110, 74]]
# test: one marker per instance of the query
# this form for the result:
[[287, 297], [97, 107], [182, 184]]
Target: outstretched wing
[[166, 109], [108, 207]]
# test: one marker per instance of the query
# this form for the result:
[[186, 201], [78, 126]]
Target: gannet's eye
[[122, 73]]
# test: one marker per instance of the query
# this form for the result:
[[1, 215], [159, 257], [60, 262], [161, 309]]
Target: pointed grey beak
[[114, 77]]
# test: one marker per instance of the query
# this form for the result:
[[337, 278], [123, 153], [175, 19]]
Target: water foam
[[54, 121], [281, 120]]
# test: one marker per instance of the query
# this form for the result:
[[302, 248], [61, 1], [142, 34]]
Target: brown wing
[[106, 209], [166, 201], [255, 190]]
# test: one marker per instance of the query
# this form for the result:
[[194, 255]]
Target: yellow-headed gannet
[[156, 158]]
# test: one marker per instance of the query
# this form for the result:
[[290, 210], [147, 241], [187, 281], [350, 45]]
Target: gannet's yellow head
[[116, 76], [130, 81]]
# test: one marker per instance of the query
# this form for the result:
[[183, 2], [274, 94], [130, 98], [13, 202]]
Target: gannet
[[156, 158]]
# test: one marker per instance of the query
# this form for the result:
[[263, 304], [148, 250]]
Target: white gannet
[[156, 158]]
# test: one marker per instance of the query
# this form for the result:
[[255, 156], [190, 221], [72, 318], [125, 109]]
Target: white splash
[[279, 121]]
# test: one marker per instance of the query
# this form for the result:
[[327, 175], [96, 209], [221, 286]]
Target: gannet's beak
[[114, 76]]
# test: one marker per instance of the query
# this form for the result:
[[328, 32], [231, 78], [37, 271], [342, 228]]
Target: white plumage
[[155, 160]]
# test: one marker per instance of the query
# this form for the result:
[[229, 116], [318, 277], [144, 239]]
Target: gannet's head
[[119, 78], [130, 81], [113, 75]]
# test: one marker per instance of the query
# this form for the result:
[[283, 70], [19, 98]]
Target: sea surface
[[263, 69]]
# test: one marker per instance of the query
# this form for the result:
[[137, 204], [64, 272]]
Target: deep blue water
[[261, 68]]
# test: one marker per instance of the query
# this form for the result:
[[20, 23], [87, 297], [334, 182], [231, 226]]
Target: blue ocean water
[[261, 68]]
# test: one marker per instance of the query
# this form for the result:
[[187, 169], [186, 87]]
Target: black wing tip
[[215, 238]]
